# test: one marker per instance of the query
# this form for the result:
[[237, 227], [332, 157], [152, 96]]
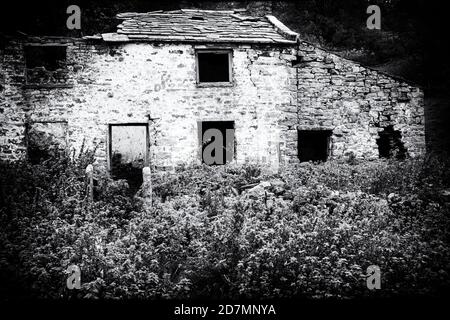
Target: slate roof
[[204, 26]]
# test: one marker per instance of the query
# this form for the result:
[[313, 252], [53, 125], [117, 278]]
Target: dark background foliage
[[411, 29]]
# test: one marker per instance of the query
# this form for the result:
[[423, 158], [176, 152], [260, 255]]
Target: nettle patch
[[227, 231]]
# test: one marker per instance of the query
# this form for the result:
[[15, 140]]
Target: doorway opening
[[128, 152]]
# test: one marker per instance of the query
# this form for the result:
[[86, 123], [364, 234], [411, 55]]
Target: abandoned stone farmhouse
[[146, 94]]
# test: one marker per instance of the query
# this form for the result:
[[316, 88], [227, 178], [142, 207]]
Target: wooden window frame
[[230, 68]]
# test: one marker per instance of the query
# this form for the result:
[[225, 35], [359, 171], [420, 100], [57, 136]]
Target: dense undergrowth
[[227, 232]]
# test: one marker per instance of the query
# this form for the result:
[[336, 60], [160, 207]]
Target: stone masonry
[[277, 88], [154, 84], [356, 103]]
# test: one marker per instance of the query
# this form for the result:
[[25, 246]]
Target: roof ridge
[[125, 15], [208, 11]]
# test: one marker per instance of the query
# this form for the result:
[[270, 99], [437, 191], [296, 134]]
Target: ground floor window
[[128, 152], [217, 142], [313, 145], [45, 140]]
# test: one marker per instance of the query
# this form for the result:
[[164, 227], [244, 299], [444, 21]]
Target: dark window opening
[[313, 145], [390, 144], [49, 57], [45, 64], [213, 66], [128, 153], [217, 142]]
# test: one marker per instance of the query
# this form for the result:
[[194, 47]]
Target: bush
[[425, 177], [310, 231]]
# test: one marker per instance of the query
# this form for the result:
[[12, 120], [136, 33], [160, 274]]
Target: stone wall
[[23, 103], [155, 84], [12, 113], [356, 103]]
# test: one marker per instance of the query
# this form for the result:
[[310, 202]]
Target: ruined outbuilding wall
[[156, 84], [23, 103], [12, 115], [356, 103]]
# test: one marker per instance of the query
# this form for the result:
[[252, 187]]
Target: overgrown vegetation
[[227, 232]]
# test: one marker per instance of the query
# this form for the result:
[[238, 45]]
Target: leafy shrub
[[310, 231], [422, 176]]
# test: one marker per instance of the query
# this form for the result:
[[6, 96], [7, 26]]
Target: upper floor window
[[214, 67], [45, 64]]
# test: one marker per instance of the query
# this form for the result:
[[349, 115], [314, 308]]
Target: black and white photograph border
[[224, 151]]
